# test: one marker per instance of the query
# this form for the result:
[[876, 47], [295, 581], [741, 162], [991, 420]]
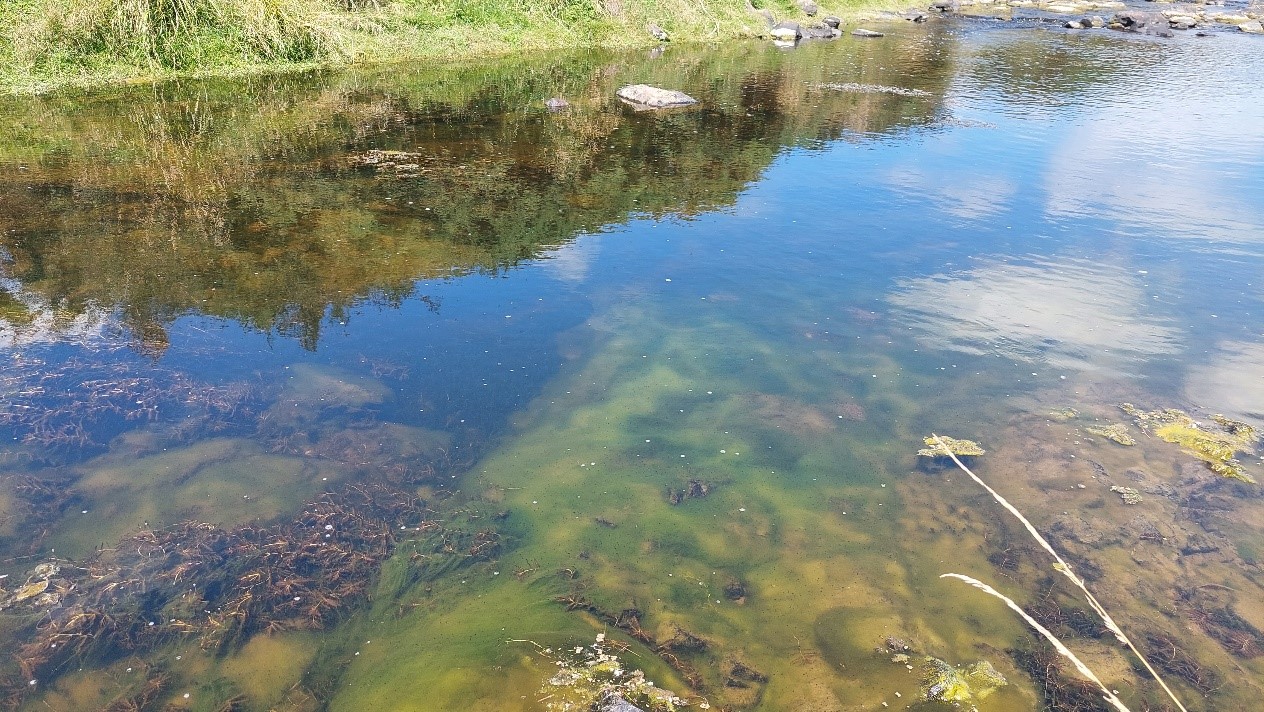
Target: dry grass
[[48, 44]]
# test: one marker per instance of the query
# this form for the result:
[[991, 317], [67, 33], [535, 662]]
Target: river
[[360, 390]]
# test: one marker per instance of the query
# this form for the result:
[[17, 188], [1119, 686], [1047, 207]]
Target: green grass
[[50, 44]]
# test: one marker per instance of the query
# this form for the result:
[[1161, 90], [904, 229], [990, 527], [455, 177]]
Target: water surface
[[329, 391]]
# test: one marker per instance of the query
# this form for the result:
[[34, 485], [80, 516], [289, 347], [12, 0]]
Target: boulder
[[786, 31], [1150, 23], [831, 21], [1097, 21], [1181, 22], [820, 33], [1254, 27], [808, 7], [658, 33], [945, 5], [861, 32], [1076, 25], [644, 96]]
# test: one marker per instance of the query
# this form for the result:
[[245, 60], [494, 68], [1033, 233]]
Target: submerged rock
[[861, 32], [616, 703], [644, 96], [557, 103]]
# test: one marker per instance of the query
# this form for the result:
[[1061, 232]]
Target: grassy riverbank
[[50, 44]]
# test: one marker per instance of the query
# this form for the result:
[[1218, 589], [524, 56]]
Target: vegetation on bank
[[47, 44]]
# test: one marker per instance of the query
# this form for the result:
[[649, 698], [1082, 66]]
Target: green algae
[[965, 685], [1129, 495], [1218, 447], [953, 446], [1115, 432], [1064, 414], [793, 515]]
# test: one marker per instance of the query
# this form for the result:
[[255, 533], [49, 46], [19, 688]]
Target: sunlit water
[[352, 391]]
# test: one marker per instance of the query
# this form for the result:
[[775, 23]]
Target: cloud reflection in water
[[1232, 382], [1069, 315]]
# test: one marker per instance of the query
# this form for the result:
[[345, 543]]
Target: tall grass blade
[[1064, 650], [1067, 571]]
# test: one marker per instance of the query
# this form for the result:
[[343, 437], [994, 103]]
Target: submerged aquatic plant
[[1217, 448], [944, 446], [968, 684], [590, 677], [1115, 432], [1129, 495], [1065, 569]]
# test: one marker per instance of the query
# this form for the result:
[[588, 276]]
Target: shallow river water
[[360, 390]]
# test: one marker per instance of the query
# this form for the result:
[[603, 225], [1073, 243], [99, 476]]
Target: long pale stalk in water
[[1064, 650], [1066, 570]]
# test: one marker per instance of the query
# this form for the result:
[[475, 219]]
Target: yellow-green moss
[[1116, 432], [1216, 447], [945, 683], [960, 448]]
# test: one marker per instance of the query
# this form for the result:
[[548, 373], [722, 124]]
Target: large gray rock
[[644, 96], [821, 33], [1254, 27], [1150, 23], [808, 7], [832, 21], [786, 31]]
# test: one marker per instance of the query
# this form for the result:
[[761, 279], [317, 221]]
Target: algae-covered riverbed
[[364, 390]]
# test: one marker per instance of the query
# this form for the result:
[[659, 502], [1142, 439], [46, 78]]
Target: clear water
[[518, 353]]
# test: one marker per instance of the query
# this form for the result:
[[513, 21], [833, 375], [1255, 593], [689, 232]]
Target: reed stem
[[1066, 570]]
